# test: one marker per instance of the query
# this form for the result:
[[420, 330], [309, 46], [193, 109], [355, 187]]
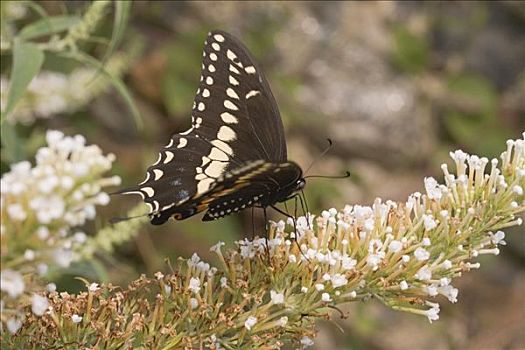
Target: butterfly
[[234, 154]]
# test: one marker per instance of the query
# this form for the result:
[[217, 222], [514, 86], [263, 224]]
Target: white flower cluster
[[51, 93], [41, 205], [61, 190], [349, 248]]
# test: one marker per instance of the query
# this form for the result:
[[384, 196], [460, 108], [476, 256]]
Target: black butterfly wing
[[235, 121], [235, 103]]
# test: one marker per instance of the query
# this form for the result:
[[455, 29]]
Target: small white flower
[[283, 321], [433, 313], [444, 281], [338, 280], [518, 190], [319, 286], [447, 264], [306, 342], [326, 297], [39, 304], [13, 325], [63, 257], [12, 283], [29, 255], [348, 263], [431, 290], [217, 247], [194, 303], [102, 198], [395, 246], [369, 225], [93, 287], [42, 233], [426, 241], [450, 292], [76, 318], [250, 322], [424, 274], [167, 289], [374, 260], [403, 285], [432, 188], [53, 137], [277, 298], [304, 290], [193, 260], [16, 212], [67, 182], [292, 259], [326, 277], [429, 222], [459, 156], [195, 285], [497, 238], [405, 258], [421, 254], [51, 287], [80, 237], [202, 266], [224, 282]]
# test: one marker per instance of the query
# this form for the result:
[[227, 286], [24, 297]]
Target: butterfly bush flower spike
[[41, 207], [407, 255]]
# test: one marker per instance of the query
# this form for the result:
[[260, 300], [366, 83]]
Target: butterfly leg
[[294, 226], [266, 236], [253, 224], [307, 215]]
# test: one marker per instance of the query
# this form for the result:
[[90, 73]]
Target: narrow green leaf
[[117, 83], [37, 8], [47, 26], [122, 12], [12, 148], [27, 61]]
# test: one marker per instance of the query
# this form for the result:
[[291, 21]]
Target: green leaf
[[122, 11], [27, 61], [12, 150], [47, 26], [117, 83]]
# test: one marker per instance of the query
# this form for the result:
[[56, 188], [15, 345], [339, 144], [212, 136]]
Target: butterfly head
[[299, 185]]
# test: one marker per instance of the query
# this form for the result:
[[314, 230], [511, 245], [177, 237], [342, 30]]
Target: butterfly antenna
[[330, 144], [126, 218], [347, 174]]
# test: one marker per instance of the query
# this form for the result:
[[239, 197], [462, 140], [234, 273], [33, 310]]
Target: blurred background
[[395, 85]]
